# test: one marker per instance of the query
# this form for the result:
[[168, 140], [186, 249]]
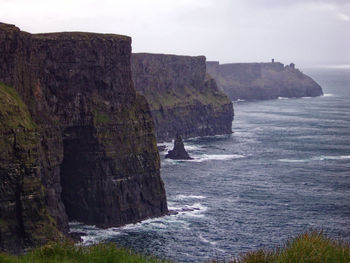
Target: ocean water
[[284, 170]]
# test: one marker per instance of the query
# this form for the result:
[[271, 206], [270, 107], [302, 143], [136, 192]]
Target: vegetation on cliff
[[310, 247], [23, 211], [261, 81], [76, 139], [183, 98], [69, 253]]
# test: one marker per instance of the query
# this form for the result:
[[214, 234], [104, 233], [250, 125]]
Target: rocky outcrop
[[178, 152], [261, 81], [183, 98], [84, 135], [25, 217]]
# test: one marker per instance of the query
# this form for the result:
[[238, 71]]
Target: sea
[[284, 170]]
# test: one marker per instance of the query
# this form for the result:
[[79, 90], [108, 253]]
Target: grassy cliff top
[[66, 35], [79, 36], [8, 27]]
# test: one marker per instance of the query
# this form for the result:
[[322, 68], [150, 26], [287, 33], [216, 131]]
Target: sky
[[306, 32]]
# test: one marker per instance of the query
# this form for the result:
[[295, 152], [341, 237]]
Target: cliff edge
[[78, 142], [262, 81], [183, 98]]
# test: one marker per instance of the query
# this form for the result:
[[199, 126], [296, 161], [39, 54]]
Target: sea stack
[[178, 152]]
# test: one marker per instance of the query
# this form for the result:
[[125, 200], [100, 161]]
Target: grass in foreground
[[311, 247], [68, 253]]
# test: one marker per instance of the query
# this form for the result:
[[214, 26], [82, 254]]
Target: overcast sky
[[302, 31]]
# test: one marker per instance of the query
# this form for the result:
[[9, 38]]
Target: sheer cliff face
[[94, 136], [183, 99], [260, 81]]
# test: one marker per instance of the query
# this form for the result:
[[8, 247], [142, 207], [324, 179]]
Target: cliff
[[261, 81], [183, 98], [78, 142]]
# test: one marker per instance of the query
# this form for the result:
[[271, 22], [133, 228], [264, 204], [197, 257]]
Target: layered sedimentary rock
[[183, 98], [25, 217], [84, 135], [261, 81]]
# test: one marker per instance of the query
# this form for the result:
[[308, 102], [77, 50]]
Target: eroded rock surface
[[178, 152], [261, 81], [183, 98], [91, 140]]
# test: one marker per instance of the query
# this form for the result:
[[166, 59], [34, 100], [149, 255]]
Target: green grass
[[101, 117], [13, 111], [310, 247], [68, 253]]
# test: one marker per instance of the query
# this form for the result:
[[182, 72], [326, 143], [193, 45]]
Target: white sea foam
[[328, 95], [195, 210], [94, 235], [186, 197], [325, 157], [316, 158], [203, 239], [282, 98], [203, 158], [207, 157], [292, 161], [192, 147]]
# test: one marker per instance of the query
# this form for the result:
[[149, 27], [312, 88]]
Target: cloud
[[343, 17], [314, 31]]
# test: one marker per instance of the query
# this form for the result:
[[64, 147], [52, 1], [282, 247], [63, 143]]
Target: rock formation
[[178, 152], [261, 81], [72, 125], [183, 99]]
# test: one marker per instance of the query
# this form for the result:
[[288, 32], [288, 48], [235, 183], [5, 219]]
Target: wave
[[316, 158], [192, 147], [292, 160], [330, 157], [209, 157], [204, 240], [203, 158], [94, 235], [282, 98], [186, 197], [328, 95]]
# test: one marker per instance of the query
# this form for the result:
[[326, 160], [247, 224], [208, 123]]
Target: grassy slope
[[68, 253], [187, 96], [13, 112], [310, 247]]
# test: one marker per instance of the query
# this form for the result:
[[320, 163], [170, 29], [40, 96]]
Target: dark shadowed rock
[[76, 141], [183, 98], [178, 152], [262, 81]]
